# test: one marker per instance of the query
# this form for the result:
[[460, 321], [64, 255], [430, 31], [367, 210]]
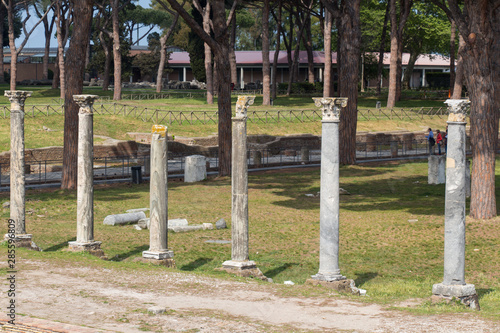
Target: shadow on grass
[[59, 246], [275, 271], [136, 251], [365, 277], [483, 292], [196, 264]]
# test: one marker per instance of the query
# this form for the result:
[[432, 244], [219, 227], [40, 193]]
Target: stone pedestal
[[158, 225], [195, 169], [257, 158], [436, 169], [329, 194], [454, 284], [23, 240], [85, 182], [240, 262], [304, 154]]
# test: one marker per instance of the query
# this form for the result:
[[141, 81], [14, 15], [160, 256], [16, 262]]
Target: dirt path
[[117, 300]]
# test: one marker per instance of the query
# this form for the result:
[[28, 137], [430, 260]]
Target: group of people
[[441, 140]]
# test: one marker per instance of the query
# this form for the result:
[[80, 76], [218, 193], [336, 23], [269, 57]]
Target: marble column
[[454, 284], [17, 168], [158, 199], [239, 185], [85, 179], [329, 190]]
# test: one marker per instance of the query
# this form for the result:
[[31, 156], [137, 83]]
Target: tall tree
[[64, 18], [278, 46], [14, 51], [42, 6], [477, 22], [204, 8], [163, 47], [327, 76], [4, 33], [266, 64], [347, 13], [398, 20], [116, 7], [427, 32], [75, 69], [458, 81], [220, 47]]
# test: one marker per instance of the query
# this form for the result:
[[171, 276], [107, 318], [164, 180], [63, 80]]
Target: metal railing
[[112, 168]]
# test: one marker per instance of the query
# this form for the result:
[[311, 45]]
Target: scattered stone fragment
[[137, 227], [218, 241], [136, 210], [343, 192], [186, 228], [6, 204], [221, 224], [290, 283], [121, 219], [177, 223], [362, 292], [207, 226], [309, 195], [413, 220], [157, 309], [144, 223]]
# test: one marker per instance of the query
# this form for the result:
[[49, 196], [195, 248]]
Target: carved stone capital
[[457, 109], [330, 107], [159, 129], [242, 105], [17, 98], [85, 102]]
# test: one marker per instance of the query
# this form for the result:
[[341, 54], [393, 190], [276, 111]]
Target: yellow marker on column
[[159, 129]]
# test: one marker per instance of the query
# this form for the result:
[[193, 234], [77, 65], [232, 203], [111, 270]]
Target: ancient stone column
[[453, 284], [17, 168], [158, 200], [329, 190], [85, 179], [239, 184]]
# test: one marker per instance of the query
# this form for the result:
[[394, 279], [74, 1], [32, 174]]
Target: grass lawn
[[391, 231]]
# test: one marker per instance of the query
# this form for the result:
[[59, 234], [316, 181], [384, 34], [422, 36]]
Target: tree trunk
[[163, 61], [232, 55], [350, 48], [75, 59], [12, 45], [61, 38], [57, 79], [224, 87], [163, 53], [117, 57], [399, 67], [393, 66], [409, 70], [307, 39], [459, 75], [452, 55], [277, 52], [107, 61], [208, 56], [380, 67], [266, 69], [327, 75]]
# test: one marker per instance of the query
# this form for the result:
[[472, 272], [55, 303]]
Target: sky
[[37, 38]]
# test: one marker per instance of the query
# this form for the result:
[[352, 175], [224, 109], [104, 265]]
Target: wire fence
[[156, 115]]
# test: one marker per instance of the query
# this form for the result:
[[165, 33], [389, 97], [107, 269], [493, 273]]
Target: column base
[[344, 286], [466, 293], [94, 248], [163, 258], [328, 277], [23, 240], [245, 268]]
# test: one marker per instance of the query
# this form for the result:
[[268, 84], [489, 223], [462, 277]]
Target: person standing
[[430, 140], [439, 141]]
